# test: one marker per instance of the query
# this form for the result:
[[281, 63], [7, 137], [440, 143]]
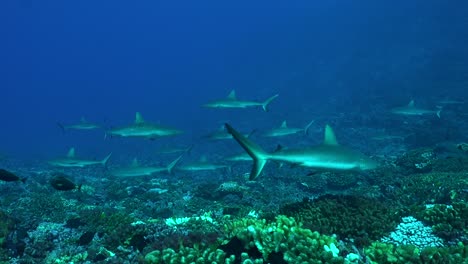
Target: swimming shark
[[82, 125], [328, 156], [71, 161], [231, 101], [202, 165], [239, 157], [141, 128], [172, 150], [412, 110], [222, 133], [136, 170], [284, 130]]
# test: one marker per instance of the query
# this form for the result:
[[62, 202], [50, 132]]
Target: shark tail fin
[[438, 112], [306, 129], [189, 150], [251, 133], [259, 156], [105, 160], [62, 127], [23, 180], [170, 167], [268, 101]]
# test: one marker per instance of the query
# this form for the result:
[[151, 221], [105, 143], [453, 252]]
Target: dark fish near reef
[[9, 176], [62, 183]]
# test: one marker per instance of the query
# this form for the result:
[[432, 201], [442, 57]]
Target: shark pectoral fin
[[268, 101], [105, 160], [170, 167]]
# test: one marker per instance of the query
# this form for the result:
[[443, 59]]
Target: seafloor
[[411, 210]]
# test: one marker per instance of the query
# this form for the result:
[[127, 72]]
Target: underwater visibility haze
[[234, 132]]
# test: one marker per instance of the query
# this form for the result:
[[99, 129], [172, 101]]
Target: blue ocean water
[[105, 60]]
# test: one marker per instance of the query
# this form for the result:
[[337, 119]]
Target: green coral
[[188, 255], [448, 221], [340, 180], [382, 253], [285, 236], [432, 188], [359, 218], [416, 161], [6, 226]]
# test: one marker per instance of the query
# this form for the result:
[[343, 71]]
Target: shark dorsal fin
[[284, 124], [83, 120], [411, 103], [278, 148], [71, 153], [203, 159], [139, 118], [330, 138], [134, 162], [232, 95]]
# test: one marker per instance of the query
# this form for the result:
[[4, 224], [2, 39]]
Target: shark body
[[173, 150], [222, 134], [135, 170], [231, 101], [284, 130], [329, 155], [412, 110], [71, 161], [239, 157], [140, 128], [82, 125], [202, 165]]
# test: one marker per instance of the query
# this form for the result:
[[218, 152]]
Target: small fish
[[61, 182], [9, 176]]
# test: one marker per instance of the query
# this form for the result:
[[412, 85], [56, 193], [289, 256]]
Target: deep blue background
[[60, 60]]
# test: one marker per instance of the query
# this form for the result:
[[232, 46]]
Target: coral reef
[[350, 217]]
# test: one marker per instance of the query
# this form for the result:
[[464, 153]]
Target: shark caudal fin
[[105, 160], [268, 101], [171, 166], [62, 127], [259, 156], [306, 129]]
